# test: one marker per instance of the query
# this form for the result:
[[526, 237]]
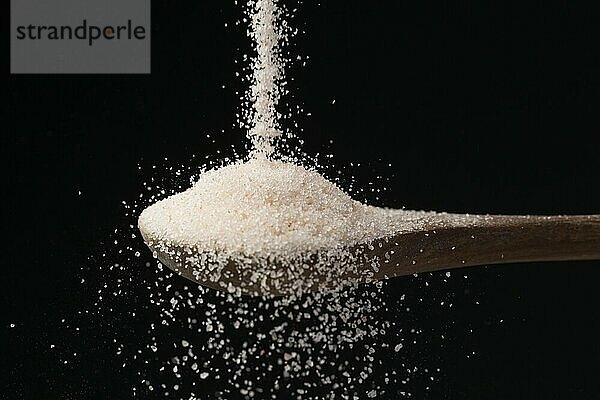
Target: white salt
[[264, 213], [268, 207], [286, 228], [280, 224]]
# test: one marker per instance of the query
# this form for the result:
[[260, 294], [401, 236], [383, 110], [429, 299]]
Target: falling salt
[[271, 218], [267, 74]]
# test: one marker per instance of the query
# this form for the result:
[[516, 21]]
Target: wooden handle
[[444, 241], [482, 240]]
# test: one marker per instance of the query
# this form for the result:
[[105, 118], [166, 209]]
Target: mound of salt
[[267, 207]]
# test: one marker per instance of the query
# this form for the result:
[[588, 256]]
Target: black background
[[479, 108]]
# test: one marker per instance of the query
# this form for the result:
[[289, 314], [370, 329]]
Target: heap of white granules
[[267, 207], [268, 217]]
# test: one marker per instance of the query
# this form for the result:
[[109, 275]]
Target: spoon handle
[[496, 239]]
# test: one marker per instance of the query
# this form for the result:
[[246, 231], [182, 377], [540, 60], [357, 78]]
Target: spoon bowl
[[441, 242]]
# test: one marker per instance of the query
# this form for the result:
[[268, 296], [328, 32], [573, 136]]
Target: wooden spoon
[[442, 241]]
